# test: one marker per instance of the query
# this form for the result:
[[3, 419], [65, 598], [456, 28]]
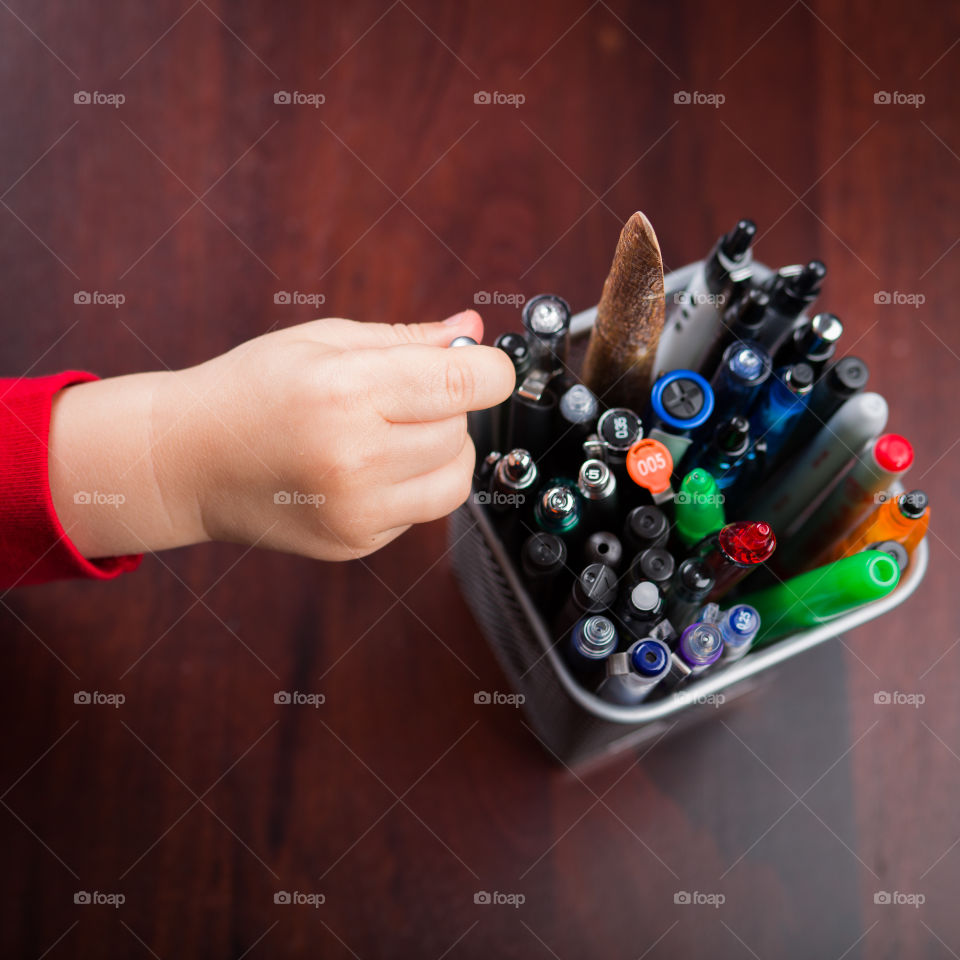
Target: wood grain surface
[[399, 799]]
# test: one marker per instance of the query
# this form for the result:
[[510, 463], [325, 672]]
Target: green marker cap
[[823, 593], [698, 507]]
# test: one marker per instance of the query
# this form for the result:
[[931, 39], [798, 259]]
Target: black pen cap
[[542, 555], [654, 564], [732, 437], [693, 579], [913, 505], [643, 600], [731, 252], [746, 316], [603, 547], [849, 375], [646, 527], [893, 549], [596, 588], [515, 346], [796, 287]]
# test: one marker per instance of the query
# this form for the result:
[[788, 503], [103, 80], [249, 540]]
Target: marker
[[632, 676], [744, 369], [696, 322], [546, 318], [594, 591], [877, 466], [751, 469], [619, 429], [558, 507], [700, 646], [514, 477], [785, 500], [603, 547], [698, 508], [892, 549], [813, 343], [654, 564], [681, 401], [903, 519], [737, 550], [690, 587], [543, 561], [515, 346], [619, 363], [533, 408], [791, 291], [649, 466], [640, 608], [598, 488], [646, 527], [840, 381], [724, 456], [592, 640], [822, 594], [738, 627], [778, 409]]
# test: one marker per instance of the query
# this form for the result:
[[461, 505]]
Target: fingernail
[[457, 318]]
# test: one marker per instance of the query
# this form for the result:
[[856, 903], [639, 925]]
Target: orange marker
[[904, 519], [650, 465]]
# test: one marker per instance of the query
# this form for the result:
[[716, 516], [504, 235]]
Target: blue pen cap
[[682, 400], [739, 625], [649, 657]]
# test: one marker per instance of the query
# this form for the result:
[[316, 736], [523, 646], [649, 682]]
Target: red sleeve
[[33, 545]]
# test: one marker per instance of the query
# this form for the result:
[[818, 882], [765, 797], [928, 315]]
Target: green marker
[[822, 594], [698, 507]]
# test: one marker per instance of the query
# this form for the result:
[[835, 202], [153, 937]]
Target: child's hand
[[327, 439]]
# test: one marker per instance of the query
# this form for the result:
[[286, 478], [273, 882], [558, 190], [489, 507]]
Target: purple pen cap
[[700, 645]]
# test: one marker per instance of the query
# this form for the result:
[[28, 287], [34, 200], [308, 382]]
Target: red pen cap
[[893, 453], [748, 542]]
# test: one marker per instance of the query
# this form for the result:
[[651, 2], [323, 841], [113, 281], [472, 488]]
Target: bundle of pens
[[708, 440]]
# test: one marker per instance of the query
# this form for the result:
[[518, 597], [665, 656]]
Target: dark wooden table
[[199, 198]]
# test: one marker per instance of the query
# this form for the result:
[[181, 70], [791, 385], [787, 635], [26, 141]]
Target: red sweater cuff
[[34, 547]]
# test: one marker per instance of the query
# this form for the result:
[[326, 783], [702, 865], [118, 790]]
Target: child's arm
[[326, 439]]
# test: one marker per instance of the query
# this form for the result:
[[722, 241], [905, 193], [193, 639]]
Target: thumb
[[350, 334]]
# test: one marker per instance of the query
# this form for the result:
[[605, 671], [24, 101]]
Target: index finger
[[421, 383]]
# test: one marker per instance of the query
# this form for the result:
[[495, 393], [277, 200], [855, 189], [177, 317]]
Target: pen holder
[[575, 726]]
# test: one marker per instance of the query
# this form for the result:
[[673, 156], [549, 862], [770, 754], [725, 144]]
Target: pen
[[739, 627], [515, 346], [592, 640], [903, 519], [514, 478], [840, 381], [792, 290], [546, 319], [594, 590], [696, 323], [632, 676], [785, 500], [698, 508], [481, 424], [742, 320], [735, 551], [533, 408], [892, 549], [700, 646], [645, 527], [779, 407], [598, 488], [603, 547], [618, 429], [691, 584], [649, 466], [619, 363], [744, 368], [723, 457], [558, 507], [814, 342], [543, 561], [640, 608], [681, 401], [823, 593], [654, 564], [578, 409]]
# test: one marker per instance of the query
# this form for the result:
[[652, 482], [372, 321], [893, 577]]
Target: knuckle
[[460, 384]]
